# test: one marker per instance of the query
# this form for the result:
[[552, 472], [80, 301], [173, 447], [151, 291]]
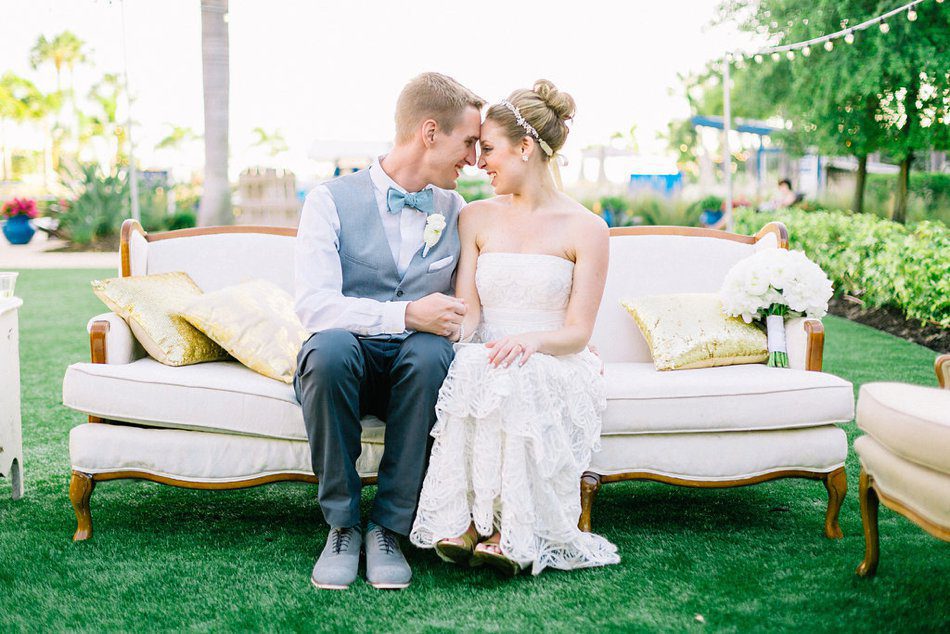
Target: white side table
[[11, 435]]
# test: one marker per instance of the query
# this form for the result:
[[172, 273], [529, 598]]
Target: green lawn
[[171, 559]]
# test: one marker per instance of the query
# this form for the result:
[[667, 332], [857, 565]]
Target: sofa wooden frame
[[82, 484], [835, 481], [870, 497]]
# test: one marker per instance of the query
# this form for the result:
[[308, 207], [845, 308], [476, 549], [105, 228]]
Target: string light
[[847, 33]]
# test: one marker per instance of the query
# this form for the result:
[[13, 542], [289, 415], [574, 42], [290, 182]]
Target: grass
[[171, 559]]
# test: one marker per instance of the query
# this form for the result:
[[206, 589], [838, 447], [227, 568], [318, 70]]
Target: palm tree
[[65, 49], [177, 137], [21, 100], [216, 196], [273, 142]]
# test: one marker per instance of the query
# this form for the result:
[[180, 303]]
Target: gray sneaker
[[337, 565], [386, 568]]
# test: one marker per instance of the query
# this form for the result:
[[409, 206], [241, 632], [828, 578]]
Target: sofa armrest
[[111, 341], [942, 368], [805, 340]]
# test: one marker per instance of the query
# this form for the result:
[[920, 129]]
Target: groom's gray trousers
[[342, 377]]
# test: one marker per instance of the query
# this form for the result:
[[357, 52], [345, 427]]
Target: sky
[[332, 70]]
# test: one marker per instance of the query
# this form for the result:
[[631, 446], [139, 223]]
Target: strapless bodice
[[522, 292]]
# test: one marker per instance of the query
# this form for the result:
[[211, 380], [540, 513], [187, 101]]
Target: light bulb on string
[[912, 15], [849, 37], [758, 59], [884, 27], [776, 57], [829, 45], [806, 51], [790, 55]]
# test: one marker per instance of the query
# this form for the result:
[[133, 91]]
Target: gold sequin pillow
[[256, 323], [150, 305], [689, 330]]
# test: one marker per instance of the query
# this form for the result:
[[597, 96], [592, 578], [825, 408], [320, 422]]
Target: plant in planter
[[18, 213]]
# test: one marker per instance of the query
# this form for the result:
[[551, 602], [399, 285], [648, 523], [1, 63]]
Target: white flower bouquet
[[772, 285]]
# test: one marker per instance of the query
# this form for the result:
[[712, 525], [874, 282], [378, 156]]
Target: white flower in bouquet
[[772, 285]]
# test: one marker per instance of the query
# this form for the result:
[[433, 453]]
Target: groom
[[372, 280]]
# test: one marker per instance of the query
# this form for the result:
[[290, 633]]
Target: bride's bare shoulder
[[581, 217], [484, 209]]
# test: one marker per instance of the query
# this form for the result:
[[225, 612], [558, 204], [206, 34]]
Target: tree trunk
[[860, 179], [900, 196], [216, 195]]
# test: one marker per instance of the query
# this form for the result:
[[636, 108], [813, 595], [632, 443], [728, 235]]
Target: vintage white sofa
[[222, 426]]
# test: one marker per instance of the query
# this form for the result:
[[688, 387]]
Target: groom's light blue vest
[[366, 259]]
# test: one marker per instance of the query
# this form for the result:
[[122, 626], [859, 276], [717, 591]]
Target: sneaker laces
[[341, 539], [386, 541]]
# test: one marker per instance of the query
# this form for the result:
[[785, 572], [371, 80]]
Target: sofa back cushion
[[217, 260], [658, 264]]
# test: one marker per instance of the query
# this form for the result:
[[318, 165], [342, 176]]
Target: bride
[[520, 410]]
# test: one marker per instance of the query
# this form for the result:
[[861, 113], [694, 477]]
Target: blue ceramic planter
[[18, 230]]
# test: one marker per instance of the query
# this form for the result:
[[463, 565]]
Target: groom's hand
[[436, 313]]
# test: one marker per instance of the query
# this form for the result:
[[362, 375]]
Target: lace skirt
[[510, 447]]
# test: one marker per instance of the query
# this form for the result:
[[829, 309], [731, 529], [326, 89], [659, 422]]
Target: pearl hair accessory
[[527, 127]]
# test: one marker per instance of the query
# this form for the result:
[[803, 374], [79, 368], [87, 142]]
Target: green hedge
[[928, 195], [882, 262]]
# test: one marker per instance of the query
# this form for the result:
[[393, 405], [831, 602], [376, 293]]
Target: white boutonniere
[[435, 224]]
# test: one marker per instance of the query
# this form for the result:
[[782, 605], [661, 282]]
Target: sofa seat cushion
[[912, 421], [196, 456], [918, 488], [723, 457], [733, 398], [222, 396]]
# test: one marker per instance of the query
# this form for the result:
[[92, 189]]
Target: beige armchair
[[905, 457]]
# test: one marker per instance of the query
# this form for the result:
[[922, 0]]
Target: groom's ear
[[429, 128]]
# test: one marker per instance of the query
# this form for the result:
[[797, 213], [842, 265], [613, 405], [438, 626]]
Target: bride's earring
[[524, 157]]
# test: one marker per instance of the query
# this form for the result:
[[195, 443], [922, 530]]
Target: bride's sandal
[[489, 552], [458, 550]]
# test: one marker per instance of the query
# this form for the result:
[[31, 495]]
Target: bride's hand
[[504, 351]]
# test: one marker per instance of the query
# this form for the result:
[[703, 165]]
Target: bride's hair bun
[[560, 102], [545, 107]]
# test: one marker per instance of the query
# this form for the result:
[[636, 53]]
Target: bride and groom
[[494, 377]]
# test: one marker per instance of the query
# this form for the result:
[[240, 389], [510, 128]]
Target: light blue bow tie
[[421, 200]]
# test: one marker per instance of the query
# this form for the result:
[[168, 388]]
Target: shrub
[[882, 262], [98, 205]]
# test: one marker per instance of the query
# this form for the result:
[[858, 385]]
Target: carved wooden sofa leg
[[80, 489], [869, 505], [590, 484], [836, 483]]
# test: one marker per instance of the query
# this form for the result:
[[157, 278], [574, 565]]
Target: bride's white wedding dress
[[512, 443]]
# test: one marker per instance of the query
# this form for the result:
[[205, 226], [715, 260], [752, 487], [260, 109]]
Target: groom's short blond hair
[[432, 96]]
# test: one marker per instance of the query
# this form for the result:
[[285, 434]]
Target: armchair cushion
[[149, 304], [911, 421], [689, 330], [923, 490], [730, 398]]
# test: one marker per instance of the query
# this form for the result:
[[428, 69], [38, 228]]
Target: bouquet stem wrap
[[775, 328]]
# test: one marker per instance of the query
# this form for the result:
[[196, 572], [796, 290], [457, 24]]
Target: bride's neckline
[[526, 255]]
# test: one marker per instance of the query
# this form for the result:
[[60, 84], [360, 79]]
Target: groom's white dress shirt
[[318, 276]]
